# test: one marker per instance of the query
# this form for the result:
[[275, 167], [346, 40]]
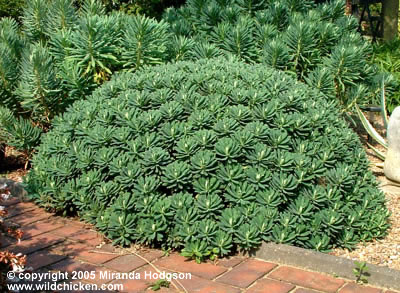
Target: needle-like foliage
[[314, 42], [60, 55]]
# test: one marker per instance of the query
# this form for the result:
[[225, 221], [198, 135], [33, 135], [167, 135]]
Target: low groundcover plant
[[211, 156]]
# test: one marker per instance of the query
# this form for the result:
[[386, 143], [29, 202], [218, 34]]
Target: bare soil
[[13, 165]]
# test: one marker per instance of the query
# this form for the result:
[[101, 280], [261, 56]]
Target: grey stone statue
[[392, 160]]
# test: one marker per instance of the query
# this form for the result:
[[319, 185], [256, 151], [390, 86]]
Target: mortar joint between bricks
[[154, 260], [249, 286], [273, 270], [255, 281], [221, 275], [344, 284], [293, 289]]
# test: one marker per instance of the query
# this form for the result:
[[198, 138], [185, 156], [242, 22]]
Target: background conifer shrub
[[210, 157], [60, 54], [318, 44]]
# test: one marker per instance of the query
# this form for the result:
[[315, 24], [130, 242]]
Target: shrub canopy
[[210, 156]]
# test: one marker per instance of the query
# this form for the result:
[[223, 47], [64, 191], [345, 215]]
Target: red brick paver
[[78, 271], [197, 284], [30, 217], [75, 232], [10, 202], [43, 258], [94, 241], [306, 279], [303, 290], [150, 274], [355, 288], [272, 285], [87, 289], [246, 273], [151, 254], [125, 263], [93, 257], [230, 262], [134, 286], [70, 248], [171, 289], [40, 228], [20, 208], [176, 262], [6, 241], [36, 243], [69, 265]]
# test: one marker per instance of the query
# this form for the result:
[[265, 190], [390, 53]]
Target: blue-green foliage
[[60, 54], [210, 156], [316, 43]]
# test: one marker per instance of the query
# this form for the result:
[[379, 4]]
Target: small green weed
[[361, 272], [159, 284], [166, 251]]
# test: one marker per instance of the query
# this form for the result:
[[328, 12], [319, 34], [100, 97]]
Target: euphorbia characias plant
[[185, 156]]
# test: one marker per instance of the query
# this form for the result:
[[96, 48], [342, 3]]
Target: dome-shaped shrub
[[210, 156]]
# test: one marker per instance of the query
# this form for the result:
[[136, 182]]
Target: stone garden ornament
[[392, 160]]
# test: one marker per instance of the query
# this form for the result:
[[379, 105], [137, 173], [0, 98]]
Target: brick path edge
[[325, 263]]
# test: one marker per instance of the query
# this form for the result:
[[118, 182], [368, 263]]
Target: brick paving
[[63, 245]]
